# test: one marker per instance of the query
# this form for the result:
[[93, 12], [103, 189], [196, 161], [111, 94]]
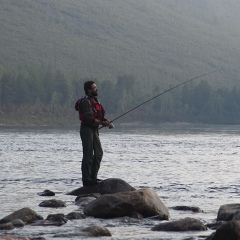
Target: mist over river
[[191, 165]]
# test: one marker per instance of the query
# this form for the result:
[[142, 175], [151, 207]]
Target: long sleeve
[[88, 113]]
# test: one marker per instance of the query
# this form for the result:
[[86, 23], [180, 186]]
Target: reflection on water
[[185, 164]]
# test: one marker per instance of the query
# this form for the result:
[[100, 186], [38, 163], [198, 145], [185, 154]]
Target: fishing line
[[158, 95]]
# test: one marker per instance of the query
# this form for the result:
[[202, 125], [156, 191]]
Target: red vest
[[97, 108]]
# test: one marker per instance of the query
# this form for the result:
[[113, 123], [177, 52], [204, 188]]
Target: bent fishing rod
[[158, 95]]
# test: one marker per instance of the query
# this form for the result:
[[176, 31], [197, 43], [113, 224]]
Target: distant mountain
[[157, 41]]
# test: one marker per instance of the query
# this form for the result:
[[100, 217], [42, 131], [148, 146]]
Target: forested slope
[[133, 49], [157, 41]]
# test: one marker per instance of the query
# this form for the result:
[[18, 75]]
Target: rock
[[186, 224], [75, 215], [94, 195], [97, 231], [46, 223], [215, 225], [52, 220], [110, 185], [18, 223], [227, 211], [53, 203], [136, 215], [236, 216], [84, 201], [47, 193], [210, 237], [57, 218], [92, 231], [27, 215], [186, 208], [144, 201], [37, 238], [11, 237], [6, 226], [157, 217], [228, 231]]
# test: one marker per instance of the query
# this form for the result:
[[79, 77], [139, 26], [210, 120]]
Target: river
[[190, 165]]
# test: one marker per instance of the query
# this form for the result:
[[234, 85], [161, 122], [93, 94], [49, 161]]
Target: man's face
[[93, 91]]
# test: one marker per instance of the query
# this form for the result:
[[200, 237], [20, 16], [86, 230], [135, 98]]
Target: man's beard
[[94, 94]]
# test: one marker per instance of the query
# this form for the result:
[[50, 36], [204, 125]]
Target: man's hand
[[106, 123]]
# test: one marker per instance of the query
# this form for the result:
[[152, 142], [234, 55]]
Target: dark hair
[[88, 85]]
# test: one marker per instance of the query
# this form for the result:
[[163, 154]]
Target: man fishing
[[91, 115]]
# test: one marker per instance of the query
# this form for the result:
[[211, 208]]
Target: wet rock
[[111, 185], [11, 237], [144, 201], [27, 215], [215, 225], [210, 237], [18, 223], [236, 216], [75, 215], [46, 223], [94, 195], [37, 238], [92, 231], [136, 215], [84, 201], [227, 211], [57, 218], [52, 203], [186, 208], [47, 193], [97, 231], [186, 224], [228, 231], [52, 220], [157, 217], [6, 226]]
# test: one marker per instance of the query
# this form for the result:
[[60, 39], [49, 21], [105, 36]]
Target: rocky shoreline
[[114, 198]]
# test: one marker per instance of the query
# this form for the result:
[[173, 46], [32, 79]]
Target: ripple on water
[[192, 166]]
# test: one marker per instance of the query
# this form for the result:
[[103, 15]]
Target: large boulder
[[27, 215], [143, 201], [186, 224], [226, 212], [228, 231], [110, 185]]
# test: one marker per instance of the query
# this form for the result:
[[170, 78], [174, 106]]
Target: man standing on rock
[[91, 115]]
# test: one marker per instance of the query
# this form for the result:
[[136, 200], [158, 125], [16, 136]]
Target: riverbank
[[55, 115]]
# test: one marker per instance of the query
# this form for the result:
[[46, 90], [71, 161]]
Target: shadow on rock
[[143, 201], [110, 185], [186, 224]]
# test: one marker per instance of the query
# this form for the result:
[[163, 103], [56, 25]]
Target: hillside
[[157, 41]]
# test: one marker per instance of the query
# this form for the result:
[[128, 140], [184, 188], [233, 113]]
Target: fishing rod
[[158, 95]]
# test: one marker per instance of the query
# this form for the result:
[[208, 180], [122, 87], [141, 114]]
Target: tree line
[[45, 88]]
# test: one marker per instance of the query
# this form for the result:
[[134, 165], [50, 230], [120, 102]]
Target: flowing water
[[190, 165]]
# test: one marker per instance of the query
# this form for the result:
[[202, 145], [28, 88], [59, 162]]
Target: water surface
[[192, 165]]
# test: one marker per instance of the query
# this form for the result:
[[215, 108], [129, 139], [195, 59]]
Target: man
[[91, 115]]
